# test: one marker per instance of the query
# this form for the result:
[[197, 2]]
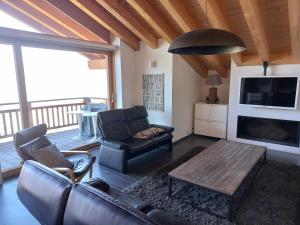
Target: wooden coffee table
[[221, 168]]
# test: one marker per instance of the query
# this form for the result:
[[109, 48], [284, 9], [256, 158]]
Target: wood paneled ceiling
[[269, 28]]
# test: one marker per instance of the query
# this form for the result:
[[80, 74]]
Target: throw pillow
[[149, 133], [26, 149], [50, 156]]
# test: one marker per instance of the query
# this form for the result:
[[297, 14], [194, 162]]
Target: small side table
[[93, 115], [81, 114]]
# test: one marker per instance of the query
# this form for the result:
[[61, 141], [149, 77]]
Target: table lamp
[[213, 80]]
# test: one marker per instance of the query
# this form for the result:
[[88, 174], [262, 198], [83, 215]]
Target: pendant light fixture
[[207, 42]]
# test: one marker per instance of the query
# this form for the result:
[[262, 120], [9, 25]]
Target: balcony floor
[[63, 140]]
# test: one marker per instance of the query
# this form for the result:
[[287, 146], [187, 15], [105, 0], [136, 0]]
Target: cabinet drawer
[[202, 111], [208, 128], [218, 113]]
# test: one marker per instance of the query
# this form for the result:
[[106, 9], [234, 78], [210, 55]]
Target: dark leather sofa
[[117, 128], [54, 200]]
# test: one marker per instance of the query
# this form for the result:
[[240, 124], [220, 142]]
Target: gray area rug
[[272, 199]]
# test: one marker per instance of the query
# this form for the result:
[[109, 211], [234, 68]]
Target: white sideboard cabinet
[[211, 120]]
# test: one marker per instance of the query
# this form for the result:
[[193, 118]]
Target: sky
[[49, 74]]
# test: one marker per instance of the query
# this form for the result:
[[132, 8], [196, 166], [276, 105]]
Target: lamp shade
[[213, 80], [207, 42]]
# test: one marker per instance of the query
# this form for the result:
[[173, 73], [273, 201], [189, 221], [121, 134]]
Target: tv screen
[[269, 91]]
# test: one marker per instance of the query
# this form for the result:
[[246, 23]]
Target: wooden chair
[[35, 138]]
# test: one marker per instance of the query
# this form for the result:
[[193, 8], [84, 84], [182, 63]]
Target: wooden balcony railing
[[54, 113]]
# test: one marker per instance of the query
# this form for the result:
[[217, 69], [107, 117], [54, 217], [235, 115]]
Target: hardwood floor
[[12, 212]]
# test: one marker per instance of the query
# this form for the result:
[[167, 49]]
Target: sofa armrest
[[114, 144], [163, 218], [143, 207], [168, 129]]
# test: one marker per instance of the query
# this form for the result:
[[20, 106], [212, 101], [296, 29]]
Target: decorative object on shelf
[[207, 42], [213, 80], [153, 91]]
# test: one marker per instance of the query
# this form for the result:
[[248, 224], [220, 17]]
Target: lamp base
[[212, 96]]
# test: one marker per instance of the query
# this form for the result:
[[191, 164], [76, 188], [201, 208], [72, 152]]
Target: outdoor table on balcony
[[81, 114]]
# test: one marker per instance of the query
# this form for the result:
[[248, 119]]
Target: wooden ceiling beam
[[218, 20], [180, 14], [62, 19], [145, 9], [275, 59], [80, 17], [254, 21], [294, 18], [152, 16], [119, 10], [95, 11], [36, 16]]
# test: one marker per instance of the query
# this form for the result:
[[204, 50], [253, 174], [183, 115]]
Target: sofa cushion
[[50, 156], [138, 125], [135, 145], [162, 138], [111, 116], [137, 112], [43, 192], [87, 205], [37, 143], [112, 125], [136, 118]]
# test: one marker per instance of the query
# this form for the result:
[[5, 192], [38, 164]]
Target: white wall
[[183, 86], [129, 78], [125, 70], [164, 65], [235, 109], [187, 89]]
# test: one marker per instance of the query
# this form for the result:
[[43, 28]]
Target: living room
[[199, 122]]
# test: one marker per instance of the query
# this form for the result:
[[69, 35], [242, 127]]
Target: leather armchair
[[117, 129], [35, 138]]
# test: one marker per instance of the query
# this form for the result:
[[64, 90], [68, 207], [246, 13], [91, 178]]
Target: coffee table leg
[[265, 157], [170, 187], [230, 210]]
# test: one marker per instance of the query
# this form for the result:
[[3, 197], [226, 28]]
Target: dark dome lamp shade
[[207, 42]]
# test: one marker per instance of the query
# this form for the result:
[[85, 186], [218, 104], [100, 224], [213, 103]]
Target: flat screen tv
[[279, 92]]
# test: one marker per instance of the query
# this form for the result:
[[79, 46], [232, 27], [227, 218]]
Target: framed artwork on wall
[[153, 91]]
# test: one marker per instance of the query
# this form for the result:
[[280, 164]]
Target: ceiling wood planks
[[80, 17], [119, 10], [254, 21], [270, 28], [60, 18], [218, 20], [180, 14], [294, 18], [146, 10], [95, 11]]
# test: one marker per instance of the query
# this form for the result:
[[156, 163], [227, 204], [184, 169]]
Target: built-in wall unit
[[264, 110]]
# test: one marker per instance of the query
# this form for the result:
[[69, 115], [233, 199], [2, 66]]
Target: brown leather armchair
[[35, 138]]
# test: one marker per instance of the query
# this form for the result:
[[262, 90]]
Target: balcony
[[62, 125]]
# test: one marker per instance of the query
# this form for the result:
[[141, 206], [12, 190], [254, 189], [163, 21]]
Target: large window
[[54, 74]]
